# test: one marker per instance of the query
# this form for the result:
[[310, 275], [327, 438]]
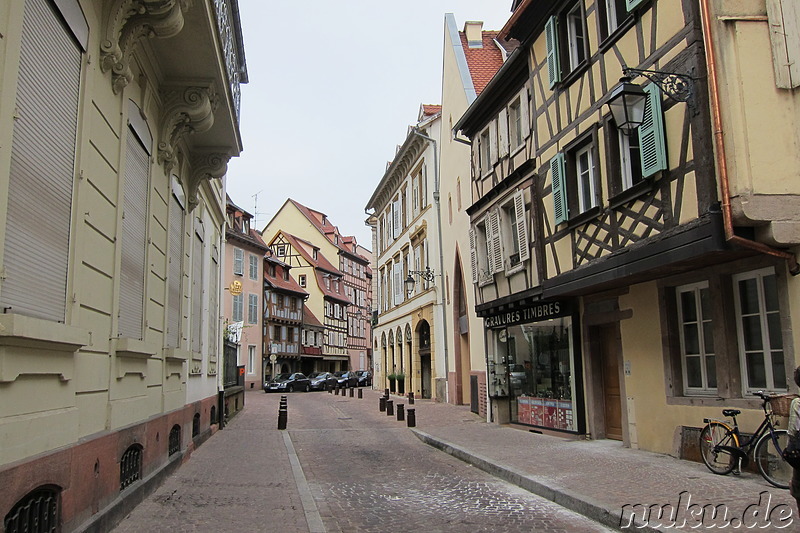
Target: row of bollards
[[386, 404]]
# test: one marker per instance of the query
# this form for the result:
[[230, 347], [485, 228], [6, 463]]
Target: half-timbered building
[[617, 290], [284, 300]]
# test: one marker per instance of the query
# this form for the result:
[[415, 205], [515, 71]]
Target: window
[[281, 250], [238, 261], [515, 230], [37, 512], [252, 308], [695, 328], [612, 14], [630, 159], [575, 180], [198, 288], [238, 304], [253, 267], [292, 304], [485, 152], [251, 359], [130, 466], [195, 425], [758, 325], [515, 124], [565, 39], [174, 445], [302, 280], [280, 301], [175, 269], [576, 36]]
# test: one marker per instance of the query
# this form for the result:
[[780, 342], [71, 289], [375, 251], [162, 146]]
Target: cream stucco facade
[[111, 224]]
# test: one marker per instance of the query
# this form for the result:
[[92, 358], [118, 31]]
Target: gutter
[[719, 144]]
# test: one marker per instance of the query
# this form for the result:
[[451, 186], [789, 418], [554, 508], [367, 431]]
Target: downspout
[[431, 140], [719, 144]]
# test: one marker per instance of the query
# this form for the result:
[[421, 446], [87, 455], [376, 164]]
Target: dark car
[[364, 378], [346, 378], [323, 381], [288, 383]]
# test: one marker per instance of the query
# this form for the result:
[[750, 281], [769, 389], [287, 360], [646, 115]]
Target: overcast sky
[[333, 87]]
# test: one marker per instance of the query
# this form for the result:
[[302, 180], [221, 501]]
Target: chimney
[[473, 30]]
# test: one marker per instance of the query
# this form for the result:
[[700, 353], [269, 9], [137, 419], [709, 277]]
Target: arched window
[[130, 466], [213, 414], [175, 439], [37, 512], [196, 425]]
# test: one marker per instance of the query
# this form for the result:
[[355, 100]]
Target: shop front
[[534, 366]]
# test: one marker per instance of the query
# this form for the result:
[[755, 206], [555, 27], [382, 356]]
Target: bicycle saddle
[[731, 412]]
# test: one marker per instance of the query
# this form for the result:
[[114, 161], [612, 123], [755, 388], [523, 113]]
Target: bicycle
[[724, 449]]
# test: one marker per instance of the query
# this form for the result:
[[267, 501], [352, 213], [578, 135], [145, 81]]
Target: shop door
[[612, 396]]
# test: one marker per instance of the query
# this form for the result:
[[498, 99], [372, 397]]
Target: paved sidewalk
[[598, 478]]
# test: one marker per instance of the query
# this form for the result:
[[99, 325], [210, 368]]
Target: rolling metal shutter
[[175, 273], [197, 288], [134, 239], [42, 169]]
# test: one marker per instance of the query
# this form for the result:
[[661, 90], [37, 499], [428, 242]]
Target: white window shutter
[[493, 141], [398, 283], [784, 32], [473, 255], [502, 132], [497, 243], [489, 244], [523, 113], [522, 226], [396, 219]]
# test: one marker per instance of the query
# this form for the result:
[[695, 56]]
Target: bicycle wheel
[[770, 463], [716, 434]]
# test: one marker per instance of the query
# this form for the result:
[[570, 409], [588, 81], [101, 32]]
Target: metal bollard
[[352, 391], [411, 418], [386, 392], [336, 391], [360, 393], [389, 408], [283, 417], [383, 404], [330, 390], [410, 398], [401, 415]]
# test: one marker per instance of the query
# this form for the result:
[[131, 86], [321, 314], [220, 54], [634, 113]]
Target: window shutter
[[557, 172], [213, 309], [522, 226], [493, 141], [398, 283], [476, 157], [784, 25], [473, 255], [631, 4], [175, 273], [42, 167], [651, 134], [496, 259], [551, 39], [502, 132], [197, 291], [396, 219], [523, 112], [134, 239], [238, 261]]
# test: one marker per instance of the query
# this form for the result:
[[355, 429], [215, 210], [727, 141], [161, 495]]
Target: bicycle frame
[[742, 452]]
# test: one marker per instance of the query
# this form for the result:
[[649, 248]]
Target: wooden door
[[612, 395]]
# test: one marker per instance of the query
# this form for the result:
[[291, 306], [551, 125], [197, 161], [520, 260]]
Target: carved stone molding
[[186, 110], [128, 22], [204, 165]]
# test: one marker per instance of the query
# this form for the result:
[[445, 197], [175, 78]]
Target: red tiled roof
[[320, 262], [277, 280], [323, 225], [483, 62], [309, 319], [431, 109]]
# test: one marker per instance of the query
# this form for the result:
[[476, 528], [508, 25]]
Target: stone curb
[[564, 497]]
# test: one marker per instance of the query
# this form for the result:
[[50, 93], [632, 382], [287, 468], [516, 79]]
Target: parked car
[[364, 378], [288, 383], [346, 378], [323, 381]]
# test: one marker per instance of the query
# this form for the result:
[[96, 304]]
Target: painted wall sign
[[532, 313]]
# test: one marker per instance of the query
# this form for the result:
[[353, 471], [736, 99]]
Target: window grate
[[175, 439], [130, 467], [35, 513]]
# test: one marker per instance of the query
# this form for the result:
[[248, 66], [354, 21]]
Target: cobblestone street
[[342, 466]]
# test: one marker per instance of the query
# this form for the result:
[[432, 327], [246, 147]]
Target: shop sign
[[533, 313]]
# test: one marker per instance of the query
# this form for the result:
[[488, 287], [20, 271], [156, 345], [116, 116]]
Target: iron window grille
[[130, 466], [38, 512], [175, 439]]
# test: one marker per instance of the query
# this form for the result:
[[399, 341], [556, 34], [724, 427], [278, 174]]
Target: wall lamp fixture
[[627, 100], [426, 275]]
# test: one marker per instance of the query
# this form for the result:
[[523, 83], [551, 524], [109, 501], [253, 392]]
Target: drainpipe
[[719, 144], [431, 140]]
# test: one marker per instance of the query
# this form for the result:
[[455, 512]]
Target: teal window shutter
[[558, 174], [551, 39], [631, 4], [651, 134]]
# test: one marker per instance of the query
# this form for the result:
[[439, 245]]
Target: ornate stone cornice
[[204, 164], [187, 109], [128, 22]]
